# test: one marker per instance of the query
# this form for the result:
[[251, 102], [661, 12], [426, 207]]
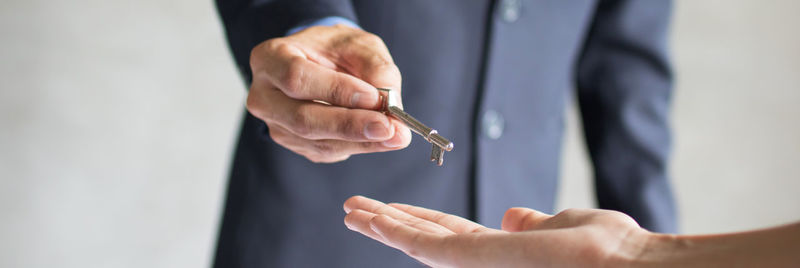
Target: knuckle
[[272, 44], [255, 55], [258, 52], [383, 70], [299, 124], [394, 71], [348, 128], [323, 148], [369, 39], [252, 103], [293, 75], [383, 64], [367, 146], [377, 45], [275, 44], [259, 107], [276, 135], [337, 91], [255, 105]]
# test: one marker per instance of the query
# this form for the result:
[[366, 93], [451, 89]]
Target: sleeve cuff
[[327, 21]]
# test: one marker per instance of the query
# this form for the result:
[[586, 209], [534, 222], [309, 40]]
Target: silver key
[[391, 106]]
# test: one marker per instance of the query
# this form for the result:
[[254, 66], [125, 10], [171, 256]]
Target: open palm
[[575, 237]]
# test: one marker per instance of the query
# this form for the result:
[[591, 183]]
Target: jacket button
[[492, 124], [510, 10]]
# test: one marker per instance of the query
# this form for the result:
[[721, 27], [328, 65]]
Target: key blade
[[390, 105], [412, 123]]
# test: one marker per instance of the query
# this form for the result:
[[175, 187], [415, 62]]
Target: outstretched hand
[[575, 237], [315, 90]]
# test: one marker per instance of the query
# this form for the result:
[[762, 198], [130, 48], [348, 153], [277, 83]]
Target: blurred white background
[[118, 119]]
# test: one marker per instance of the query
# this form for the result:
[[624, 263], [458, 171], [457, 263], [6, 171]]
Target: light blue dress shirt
[[326, 21]]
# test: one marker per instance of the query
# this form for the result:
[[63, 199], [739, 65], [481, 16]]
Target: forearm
[[773, 247]]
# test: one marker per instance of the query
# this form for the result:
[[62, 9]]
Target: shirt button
[[510, 10], [492, 124]]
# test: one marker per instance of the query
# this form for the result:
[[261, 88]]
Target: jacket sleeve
[[624, 91], [250, 22]]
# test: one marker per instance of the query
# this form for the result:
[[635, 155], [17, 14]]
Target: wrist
[[653, 250], [643, 249]]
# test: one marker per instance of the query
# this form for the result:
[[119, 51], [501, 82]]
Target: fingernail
[[397, 140], [376, 131], [363, 100], [394, 142], [354, 99]]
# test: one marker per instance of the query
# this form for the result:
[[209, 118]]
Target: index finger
[[288, 68], [377, 207], [411, 241], [454, 223]]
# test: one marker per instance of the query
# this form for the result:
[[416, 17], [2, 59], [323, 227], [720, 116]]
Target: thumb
[[522, 219], [367, 57]]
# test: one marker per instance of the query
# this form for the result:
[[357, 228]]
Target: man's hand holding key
[[340, 66]]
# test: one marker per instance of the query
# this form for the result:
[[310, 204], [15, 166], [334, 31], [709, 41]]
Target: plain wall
[[118, 119]]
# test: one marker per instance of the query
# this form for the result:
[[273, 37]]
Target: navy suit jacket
[[520, 61]]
